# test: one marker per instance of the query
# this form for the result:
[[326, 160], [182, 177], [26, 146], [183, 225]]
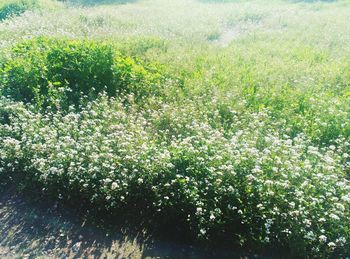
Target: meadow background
[[225, 121]]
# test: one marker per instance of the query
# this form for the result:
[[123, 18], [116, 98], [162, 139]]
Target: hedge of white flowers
[[245, 180]]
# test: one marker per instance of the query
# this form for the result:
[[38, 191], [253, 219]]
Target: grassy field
[[226, 121]]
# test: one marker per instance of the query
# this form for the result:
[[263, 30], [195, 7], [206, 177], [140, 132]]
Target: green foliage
[[143, 46], [98, 2], [252, 151], [16, 7], [245, 183], [57, 72]]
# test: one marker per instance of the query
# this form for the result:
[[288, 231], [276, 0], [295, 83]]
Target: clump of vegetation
[[98, 2], [16, 7], [58, 72], [247, 184], [141, 46], [252, 151]]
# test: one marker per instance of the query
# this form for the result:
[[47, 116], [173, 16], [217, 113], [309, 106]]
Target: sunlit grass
[[258, 99]]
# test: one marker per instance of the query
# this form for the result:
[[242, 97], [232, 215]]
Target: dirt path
[[35, 231], [31, 231]]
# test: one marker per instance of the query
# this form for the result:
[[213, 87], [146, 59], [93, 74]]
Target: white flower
[[114, 186], [268, 182], [322, 238], [322, 220], [341, 241], [333, 216], [332, 245], [340, 206], [107, 181]]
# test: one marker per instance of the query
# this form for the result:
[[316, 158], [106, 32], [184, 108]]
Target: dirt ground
[[30, 230]]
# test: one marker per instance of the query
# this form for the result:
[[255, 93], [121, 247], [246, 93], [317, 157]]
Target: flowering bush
[[251, 151], [249, 183], [58, 72]]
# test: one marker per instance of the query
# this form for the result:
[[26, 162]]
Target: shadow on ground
[[31, 230]]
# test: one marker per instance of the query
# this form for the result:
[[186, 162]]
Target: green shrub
[[56, 72], [249, 185], [16, 7], [141, 46]]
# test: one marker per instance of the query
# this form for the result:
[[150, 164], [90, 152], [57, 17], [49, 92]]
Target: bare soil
[[32, 230]]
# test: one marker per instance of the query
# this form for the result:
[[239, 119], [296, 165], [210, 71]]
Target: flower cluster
[[245, 180]]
